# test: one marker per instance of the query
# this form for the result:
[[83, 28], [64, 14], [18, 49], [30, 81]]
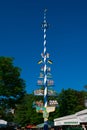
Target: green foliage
[[25, 114], [12, 86], [9, 117], [70, 101]]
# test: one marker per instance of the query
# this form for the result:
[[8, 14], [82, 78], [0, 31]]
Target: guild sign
[[50, 109]]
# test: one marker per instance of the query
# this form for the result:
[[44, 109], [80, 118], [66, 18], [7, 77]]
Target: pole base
[[46, 125]]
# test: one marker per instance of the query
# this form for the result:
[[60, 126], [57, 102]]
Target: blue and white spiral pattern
[[45, 58]]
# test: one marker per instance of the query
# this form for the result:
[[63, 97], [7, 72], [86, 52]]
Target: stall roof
[[74, 119], [81, 112], [65, 117]]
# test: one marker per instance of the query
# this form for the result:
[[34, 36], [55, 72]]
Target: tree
[[70, 101], [12, 86], [25, 113]]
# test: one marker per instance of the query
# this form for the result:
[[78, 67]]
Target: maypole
[[45, 59], [45, 81], [45, 26]]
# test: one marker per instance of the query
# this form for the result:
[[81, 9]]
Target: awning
[[66, 120], [3, 122], [74, 119]]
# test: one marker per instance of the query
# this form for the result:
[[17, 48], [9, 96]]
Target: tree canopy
[[70, 101], [12, 86], [25, 113]]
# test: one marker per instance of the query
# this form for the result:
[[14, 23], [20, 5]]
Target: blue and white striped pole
[[45, 60], [45, 25]]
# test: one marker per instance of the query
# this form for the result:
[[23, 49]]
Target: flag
[[40, 61], [50, 62]]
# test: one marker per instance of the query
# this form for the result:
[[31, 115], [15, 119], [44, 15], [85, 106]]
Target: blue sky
[[21, 37]]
